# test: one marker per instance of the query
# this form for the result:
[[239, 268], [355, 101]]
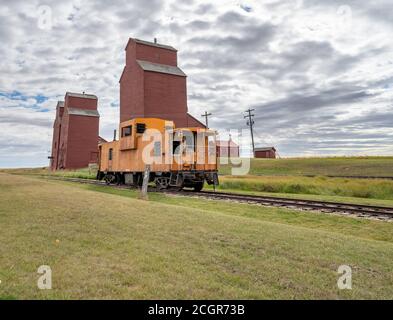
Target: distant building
[[227, 149], [75, 132], [267, 153]]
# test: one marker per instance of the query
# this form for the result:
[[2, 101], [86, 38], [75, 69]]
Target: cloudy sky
[[319, 74]]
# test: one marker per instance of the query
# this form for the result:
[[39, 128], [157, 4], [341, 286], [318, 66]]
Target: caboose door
[[110, 160], [176, 163]]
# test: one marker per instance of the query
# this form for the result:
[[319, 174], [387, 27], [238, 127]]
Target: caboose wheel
[[109, 178], [198, 186], [162, 183]]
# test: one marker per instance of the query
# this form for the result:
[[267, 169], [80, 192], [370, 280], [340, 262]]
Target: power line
[[250, 122], [206, 116]]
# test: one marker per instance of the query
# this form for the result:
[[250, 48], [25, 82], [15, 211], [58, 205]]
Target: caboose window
[[127, 131], [189, 140], [140, 128], [110, 154], [176, 147]]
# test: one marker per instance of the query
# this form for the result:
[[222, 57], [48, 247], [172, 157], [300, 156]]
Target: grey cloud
[[198, 25], [299, 104], [376, 119], [25, 120], [255, 38], [204, 8], [232, 19]]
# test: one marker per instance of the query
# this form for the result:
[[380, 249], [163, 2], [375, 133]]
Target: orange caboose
[[177, 157]]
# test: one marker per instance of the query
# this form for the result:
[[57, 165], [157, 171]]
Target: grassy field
[[350, 166], [311, 176], [288, 177], [80, 173], [105, 243], [339, 166], [339, 187]]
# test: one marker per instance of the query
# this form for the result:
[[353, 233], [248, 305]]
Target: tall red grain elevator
[[75, 132], [153, 86]]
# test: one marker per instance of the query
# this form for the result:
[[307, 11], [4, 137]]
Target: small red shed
[[266, 153], [227, 149]]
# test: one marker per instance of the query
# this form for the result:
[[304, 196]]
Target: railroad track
[[353, 177], [363, 211]]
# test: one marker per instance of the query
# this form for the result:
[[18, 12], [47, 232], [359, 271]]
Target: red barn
[[75, 132], [153, 86], [227, 149], [268, 153]]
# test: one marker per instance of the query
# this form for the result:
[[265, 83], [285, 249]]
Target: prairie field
[[102, 242], [339, 187], [328, 178], [45, 172], [342, 167], [335, 166], [338, 179]]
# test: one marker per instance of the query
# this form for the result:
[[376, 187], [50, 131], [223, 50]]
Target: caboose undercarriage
[[163, 180]]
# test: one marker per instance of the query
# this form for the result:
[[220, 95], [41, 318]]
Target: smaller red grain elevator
[[75, 132]]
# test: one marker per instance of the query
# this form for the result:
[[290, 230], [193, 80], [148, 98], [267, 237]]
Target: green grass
[[338, 187], [339, 166], [80, 173], [375, 229], [112, 245]]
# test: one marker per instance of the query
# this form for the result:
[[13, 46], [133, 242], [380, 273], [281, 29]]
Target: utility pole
[[250, 123], [206, 116]]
